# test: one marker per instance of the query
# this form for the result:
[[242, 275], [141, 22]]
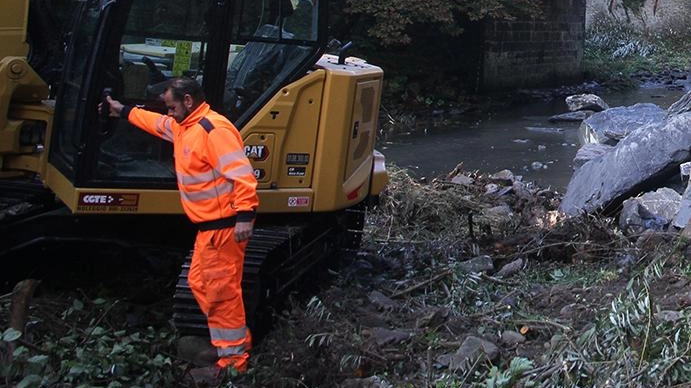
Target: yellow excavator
[[308, 114]]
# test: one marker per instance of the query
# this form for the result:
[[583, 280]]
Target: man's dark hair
[[180, 86]]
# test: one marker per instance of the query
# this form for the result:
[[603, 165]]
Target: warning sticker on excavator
[[297, 171], [298, 201], [298, 158], [108, 202]]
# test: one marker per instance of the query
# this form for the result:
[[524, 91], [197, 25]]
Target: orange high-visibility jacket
[[215, 177]]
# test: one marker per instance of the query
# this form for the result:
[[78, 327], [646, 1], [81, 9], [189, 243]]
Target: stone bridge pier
[[534, 53]]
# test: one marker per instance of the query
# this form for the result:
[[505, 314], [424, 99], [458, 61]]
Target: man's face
[[177, 109]]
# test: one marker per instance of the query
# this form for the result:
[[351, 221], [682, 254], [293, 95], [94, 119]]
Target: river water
[[520, 139]]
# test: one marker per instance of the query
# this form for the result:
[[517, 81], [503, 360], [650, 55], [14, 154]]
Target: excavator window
[[284, 37], [148, 54]]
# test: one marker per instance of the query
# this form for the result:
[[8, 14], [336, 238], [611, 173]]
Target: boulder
[[586, 102], [681, 106], [577, 116], [640, 162], [652, 210], [589, 152], [681, 220], [613, 124]]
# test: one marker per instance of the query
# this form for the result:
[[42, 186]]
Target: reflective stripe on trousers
[[215, 279]]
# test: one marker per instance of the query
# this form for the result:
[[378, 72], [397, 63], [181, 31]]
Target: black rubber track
[[277, 259]]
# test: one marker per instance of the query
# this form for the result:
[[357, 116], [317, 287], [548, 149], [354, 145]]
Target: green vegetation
[[634, 5], [397, 22], [634, 343], [617, 52], [73, 340]]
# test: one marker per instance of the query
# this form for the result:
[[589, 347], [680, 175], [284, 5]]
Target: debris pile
[[478, 280]]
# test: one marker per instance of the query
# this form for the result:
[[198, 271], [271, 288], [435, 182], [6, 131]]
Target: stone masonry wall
[[545, 52]]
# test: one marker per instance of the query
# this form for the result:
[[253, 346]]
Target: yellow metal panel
[[355, 185], [28, 158], [110, 201], [9, 137], [363, 124], [286, 201], [328, 177], [277, 113], [294, 168], [333, 188], [13, 23], [380, 177], [289, 124], [61, 186], [28, 162]]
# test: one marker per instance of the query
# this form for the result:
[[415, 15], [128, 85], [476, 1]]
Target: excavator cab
[[241, 53]]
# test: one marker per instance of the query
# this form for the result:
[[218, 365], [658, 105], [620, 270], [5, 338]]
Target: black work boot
[[197, 350], [208, 376]]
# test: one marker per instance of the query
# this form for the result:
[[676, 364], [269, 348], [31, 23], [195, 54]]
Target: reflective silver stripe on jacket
[[223, 188], [205, 177], [238, 172], [231, 158], [198, 178], [165, 130]]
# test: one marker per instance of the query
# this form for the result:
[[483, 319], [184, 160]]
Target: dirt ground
[[470, 280], [445, 289]]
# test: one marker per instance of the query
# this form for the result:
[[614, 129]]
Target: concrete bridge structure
[[533, 53]]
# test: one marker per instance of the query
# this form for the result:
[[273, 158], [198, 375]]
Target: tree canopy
[[391, 20]]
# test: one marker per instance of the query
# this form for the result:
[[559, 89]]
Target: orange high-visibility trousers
[[215, 278]]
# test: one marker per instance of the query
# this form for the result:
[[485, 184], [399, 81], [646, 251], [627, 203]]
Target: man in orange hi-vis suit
[[218, 192]]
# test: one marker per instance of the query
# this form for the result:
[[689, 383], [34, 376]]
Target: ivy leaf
[[39, 359], [19, 351], [11, 334], [30, 381], [77, 305], [159, 361], [77, 370]]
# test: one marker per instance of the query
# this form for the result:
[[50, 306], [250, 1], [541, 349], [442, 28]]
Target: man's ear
[[188, 101]]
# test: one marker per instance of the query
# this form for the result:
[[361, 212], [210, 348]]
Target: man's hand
[[243, 230], [114, 107]]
